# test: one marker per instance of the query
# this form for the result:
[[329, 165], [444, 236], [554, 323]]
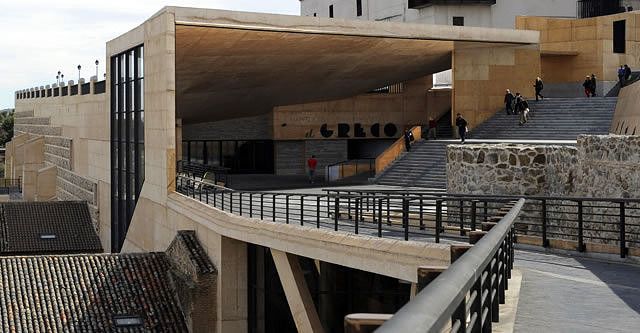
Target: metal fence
[[9, 186], [468, 294], [399, 216], [598, 224]]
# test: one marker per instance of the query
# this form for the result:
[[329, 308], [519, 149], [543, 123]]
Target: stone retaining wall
[[598, 167]]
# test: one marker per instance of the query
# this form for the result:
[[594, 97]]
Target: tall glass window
[[127, 140]]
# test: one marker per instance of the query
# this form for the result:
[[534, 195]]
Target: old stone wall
[[597, 167]]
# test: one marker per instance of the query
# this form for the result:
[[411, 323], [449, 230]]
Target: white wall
[[504, 12]]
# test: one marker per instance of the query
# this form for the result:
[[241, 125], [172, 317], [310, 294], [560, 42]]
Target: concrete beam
[[295, 288]]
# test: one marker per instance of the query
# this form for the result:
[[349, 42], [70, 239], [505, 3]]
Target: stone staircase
[[552, 119], [556, 119], [425, 166]]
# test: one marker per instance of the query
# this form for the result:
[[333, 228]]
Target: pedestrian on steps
[[461, 123], [518, 103], [627, 73], [408, 137], [432, 134], [539, 85], [524, 111], [593, 85], [621, 75], [587, 86], [509, 101]]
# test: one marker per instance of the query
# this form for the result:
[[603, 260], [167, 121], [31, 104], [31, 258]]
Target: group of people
[[624, 74], [590, 85], [517, 104]]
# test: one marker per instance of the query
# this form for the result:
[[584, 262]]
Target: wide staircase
[[552, 119], [424, 166], [557, 119]]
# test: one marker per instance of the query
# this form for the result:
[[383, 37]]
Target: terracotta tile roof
[[197, 254], [86, 293], [47, 228]]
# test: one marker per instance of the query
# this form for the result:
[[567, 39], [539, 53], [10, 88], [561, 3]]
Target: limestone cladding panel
[[290, 158], [626, 120], [248, 128], [589, 43], [481, 76]]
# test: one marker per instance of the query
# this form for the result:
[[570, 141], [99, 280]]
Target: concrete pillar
[[80, 83], [295, 287], [92, 84], [17, 156], [233, 286]]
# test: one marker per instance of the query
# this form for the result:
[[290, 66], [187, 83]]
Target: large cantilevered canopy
[[231, 65]]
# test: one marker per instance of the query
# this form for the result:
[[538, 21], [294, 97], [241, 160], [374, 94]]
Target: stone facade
[[247, 128]]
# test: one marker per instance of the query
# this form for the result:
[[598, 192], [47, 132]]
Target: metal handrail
[[371, 168], [435, 306]]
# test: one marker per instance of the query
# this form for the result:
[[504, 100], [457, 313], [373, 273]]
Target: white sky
[[38, 38]]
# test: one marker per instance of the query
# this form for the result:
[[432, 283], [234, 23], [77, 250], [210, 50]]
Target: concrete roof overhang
[[233, 64]]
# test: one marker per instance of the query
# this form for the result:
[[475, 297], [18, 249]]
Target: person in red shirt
[[312, 164]]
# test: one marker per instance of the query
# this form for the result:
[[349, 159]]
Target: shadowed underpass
[[568, 294]]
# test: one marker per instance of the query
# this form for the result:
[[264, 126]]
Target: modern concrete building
[[257, 91], [475, 13]]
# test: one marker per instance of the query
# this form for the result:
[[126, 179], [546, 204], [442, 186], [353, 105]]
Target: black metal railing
[[607, 225], [416, 4], [206, 173], [399, 216], [350, 168], [9, 186], [468, 294], [593, 8]]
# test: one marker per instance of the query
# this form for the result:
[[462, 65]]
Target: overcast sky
[[40, 37]]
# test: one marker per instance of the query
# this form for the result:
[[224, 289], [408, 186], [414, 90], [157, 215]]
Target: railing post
[[581, 246], [215, 199], [476, 307], [502, 276], [545, 241], [388, 210], [357, 216], [336, 212], [251, 204], [222, 200], [421, 213], [274, 208], [241, 199], [486, 211], [231, 202], [206, 194], [438, 219], [495, 288], [405, 217], [623, 241], [302, 210], [318, 212], [349, 206], [380, 218], [286, 208], [262, 206], [474, 204], [461, 218]]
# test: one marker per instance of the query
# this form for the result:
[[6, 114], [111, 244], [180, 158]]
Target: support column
[[295, 287], [33, 158]]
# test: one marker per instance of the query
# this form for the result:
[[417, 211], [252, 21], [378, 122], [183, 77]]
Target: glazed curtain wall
[[127, 140]]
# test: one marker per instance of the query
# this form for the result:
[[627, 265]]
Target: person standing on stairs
[[627, 73], [593, 85], [408, 137], [539, 85], [524, 111], [461, 123], [621, 75], [587, 86], [432, 129], [509, 100]]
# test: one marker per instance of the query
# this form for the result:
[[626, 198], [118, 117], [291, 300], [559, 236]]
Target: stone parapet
[[39, 129], [32, 120], [57, 151], [61, 162]]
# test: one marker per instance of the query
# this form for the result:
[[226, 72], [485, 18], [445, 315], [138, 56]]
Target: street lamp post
[[97, 62], [58, 77], [79, 68], [61, 78]]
